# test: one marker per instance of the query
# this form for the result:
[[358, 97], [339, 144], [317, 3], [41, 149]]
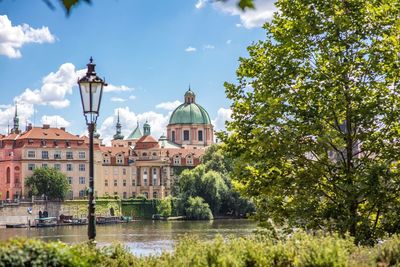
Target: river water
[[141, 237]]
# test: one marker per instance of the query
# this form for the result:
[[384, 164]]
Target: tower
[[118, 135], [146, 129], [15, 128]]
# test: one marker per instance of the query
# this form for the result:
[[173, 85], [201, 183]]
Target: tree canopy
[[49, 182], [316, 119]]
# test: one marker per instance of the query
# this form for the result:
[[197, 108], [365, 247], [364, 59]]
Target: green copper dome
[[190, 112]]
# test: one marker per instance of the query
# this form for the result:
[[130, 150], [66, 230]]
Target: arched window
[[200, 135], [186, 135], [189, 160], [173, 136], [16, 175], [8, 175], [177, 160]]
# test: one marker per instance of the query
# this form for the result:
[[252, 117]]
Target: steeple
[[15, 128], [118, 135], [146, 129], [190, 96]]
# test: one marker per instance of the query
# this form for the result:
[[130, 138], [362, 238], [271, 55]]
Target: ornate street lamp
[[91, 90]]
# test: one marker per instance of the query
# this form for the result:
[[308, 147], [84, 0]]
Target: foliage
[[164, 207], [315, 125], [49, 182], [197, 209], [299, 250], [210, 181]]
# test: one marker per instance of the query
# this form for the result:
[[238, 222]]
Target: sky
[[148, 51]]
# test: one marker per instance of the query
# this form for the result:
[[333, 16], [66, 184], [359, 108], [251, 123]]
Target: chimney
[[62, 129], [46, 126], [29, 127]]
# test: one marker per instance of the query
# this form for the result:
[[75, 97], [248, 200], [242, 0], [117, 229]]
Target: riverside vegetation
[[258, 250]]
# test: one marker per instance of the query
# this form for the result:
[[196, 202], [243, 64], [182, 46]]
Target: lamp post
[[91, 90]]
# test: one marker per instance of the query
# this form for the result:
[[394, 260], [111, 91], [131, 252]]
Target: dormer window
[[55, 143], [68, 143], [43, 143]]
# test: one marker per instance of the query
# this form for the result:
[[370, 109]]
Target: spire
[[118, 135], [136, 133], [15, 128]]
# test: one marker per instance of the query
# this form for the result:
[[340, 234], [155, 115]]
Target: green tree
[[49, 182], [197, 209], [164, 207], [213, 190], [316, 118]]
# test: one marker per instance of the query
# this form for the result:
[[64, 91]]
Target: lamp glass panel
[[96, 96], [84, 88]]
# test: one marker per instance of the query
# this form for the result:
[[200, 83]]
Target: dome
[[190, 112]]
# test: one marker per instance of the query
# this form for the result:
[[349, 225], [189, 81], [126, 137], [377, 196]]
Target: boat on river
[[16, 225], [108, 220], [46, 222]]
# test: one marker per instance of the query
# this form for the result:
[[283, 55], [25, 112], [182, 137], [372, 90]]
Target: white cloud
[[223, 115], [158, 123], [200, 4], [132, 97], [191, 49], [25, 111], [208, 46], [55, 121], [250, 18], [117, 99], [55, 87], [169, 105], [228, 42], [113, 88], [238, 25], [12, 38]]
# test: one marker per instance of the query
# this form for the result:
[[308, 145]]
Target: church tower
[[118, 135], [15, 128]]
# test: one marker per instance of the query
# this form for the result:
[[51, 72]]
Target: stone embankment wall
[[18, 213]]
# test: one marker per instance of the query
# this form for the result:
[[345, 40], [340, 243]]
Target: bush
[[298, 250], [164, 207], [197, 209]]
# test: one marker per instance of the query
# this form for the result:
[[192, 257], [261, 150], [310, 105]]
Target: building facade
[[138, 165]]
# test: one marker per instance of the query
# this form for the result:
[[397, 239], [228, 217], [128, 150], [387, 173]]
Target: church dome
[[190, 112]]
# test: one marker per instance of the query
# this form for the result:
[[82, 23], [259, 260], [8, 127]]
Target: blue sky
[[148, 51]]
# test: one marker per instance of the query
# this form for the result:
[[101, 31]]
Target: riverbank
[[298, 250]]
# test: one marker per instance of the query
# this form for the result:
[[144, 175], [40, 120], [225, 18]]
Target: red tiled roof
[[114, 150], [47, 134], [146, 142]]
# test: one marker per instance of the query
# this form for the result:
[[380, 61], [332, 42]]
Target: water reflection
[[141, 237]]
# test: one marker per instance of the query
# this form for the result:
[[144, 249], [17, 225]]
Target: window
[[57, 166], [115, 182], [177, 160], [105, 182], [133, 182], [146, 195], [9, 174], [200, 135], [82, 180], [123, 171], [70, 180], [31, 167], [154, 176], [82, 193], [45, 154], [133, 171], [173, 136], [57, 154], [82, 154], [43, 142], [31, 154], [155, 195], [44, 165], [124, 182], [82, 167], [189, 160], [124, 195], [69, 155], [133, 195], [120, 160], [116, 171], [145, 176], [69, 167], [186, 135]]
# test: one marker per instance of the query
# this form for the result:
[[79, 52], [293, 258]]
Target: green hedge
[[299, 250]]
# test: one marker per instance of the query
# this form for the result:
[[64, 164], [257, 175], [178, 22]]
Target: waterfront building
[[138, 165]]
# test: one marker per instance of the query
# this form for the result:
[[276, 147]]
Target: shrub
[[197, 209]]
